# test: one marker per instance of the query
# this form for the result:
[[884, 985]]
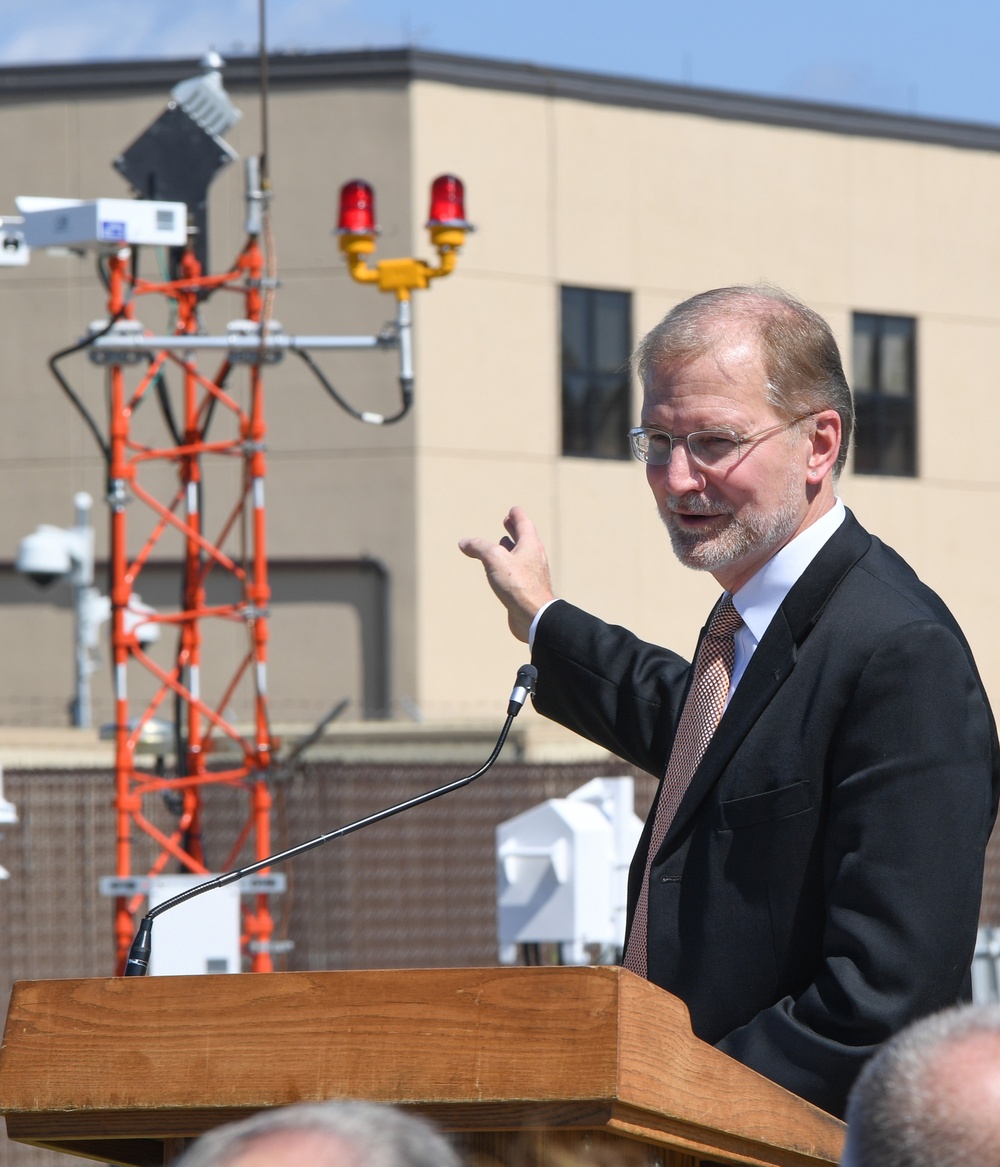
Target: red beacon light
[[448, 203], [357, 230], [357, 209]]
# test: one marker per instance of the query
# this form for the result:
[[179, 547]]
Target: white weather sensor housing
[[75, 223]]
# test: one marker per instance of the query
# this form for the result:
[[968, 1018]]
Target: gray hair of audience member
[[797, 348], [376, 1135], [930, 1097]]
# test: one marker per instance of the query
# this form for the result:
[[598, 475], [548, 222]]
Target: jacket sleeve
[[911, 805], [608, 686]]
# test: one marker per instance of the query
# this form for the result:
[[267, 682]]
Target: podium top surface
[[478, 1049]]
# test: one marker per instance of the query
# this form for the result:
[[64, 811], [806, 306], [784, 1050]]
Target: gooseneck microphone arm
[[138, 957]]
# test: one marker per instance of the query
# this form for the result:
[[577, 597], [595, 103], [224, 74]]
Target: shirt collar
[[763, 594]]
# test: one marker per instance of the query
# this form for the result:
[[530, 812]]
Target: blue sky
[[909, 56]]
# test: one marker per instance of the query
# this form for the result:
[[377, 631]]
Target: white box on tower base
[[201, 935]]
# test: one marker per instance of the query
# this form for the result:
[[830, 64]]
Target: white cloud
[[63, 30]]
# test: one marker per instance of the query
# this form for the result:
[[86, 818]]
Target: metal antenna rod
[[262, 52]]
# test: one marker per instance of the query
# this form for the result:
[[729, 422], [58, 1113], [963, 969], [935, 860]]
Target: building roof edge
[[404, 65]]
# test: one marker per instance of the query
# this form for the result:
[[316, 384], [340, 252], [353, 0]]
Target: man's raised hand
[[517, 569]]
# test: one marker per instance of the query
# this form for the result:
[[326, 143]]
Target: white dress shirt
[[763, 594]]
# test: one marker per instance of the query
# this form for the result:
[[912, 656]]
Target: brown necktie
[[702, 712]]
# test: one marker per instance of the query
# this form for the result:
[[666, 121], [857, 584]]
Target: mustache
[[695, 504]]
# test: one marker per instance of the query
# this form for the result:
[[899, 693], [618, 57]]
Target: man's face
[[731, 520]]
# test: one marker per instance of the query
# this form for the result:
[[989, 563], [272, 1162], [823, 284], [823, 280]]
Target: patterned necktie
[[702, 712]]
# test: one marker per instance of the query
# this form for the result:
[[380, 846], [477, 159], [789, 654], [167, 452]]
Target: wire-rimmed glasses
[[710, 449]]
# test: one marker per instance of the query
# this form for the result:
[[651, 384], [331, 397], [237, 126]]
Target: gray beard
[[753, 532]]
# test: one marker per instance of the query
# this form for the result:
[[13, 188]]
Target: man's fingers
[[475, 548], [516, 568], [518, 525]]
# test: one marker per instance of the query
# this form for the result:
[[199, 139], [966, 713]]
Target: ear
[[824, 446]]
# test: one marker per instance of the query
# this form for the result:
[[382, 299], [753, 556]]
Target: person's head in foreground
[[930, 1097], [324, 1134]]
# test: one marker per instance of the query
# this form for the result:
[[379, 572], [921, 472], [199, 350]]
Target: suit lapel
[[773, 660]]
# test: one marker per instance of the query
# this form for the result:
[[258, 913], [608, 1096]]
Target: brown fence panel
[[415, 891]]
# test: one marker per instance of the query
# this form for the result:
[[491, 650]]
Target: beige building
[[600, 202]]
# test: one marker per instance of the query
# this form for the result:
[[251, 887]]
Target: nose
[[680, 475]]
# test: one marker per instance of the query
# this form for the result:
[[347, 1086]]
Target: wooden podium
[[127, 1070]]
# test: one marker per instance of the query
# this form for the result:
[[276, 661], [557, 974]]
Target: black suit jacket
[[820, 884]]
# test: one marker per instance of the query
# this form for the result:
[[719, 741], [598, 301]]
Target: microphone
[[524, 687], [139, 954]]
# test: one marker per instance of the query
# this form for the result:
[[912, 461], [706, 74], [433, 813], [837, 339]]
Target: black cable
[[86, 343], [71, 393], [163, 397], [346, 405], [220, 383]]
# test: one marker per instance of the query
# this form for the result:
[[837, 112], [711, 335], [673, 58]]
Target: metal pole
[[81, 578]]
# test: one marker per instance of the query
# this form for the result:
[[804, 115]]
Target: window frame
[[595, 425], [886, 436]]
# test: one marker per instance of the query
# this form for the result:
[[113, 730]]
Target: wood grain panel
[[480, 1050]]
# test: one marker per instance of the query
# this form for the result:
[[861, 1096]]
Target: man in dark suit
[[815, 875]]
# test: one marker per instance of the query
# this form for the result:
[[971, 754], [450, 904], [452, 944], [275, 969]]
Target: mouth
[[697, 522], [689, 516]]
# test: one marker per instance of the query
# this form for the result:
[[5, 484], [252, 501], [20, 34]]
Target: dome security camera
[[43, 556]]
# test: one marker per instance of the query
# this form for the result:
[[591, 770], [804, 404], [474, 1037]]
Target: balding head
[[324, 1134], [290, 1148], [794, 344], [931, 1096]]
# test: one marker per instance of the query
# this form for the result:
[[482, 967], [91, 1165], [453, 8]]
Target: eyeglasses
[[710, 449]]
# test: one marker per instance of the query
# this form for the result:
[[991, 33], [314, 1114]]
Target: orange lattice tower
[[203, 718]]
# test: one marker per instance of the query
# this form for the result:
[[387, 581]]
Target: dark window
[[596, 343], [885, 394]]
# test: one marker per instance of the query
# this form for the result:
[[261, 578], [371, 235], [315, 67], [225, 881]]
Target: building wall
[[664, 205], [640, 193]]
